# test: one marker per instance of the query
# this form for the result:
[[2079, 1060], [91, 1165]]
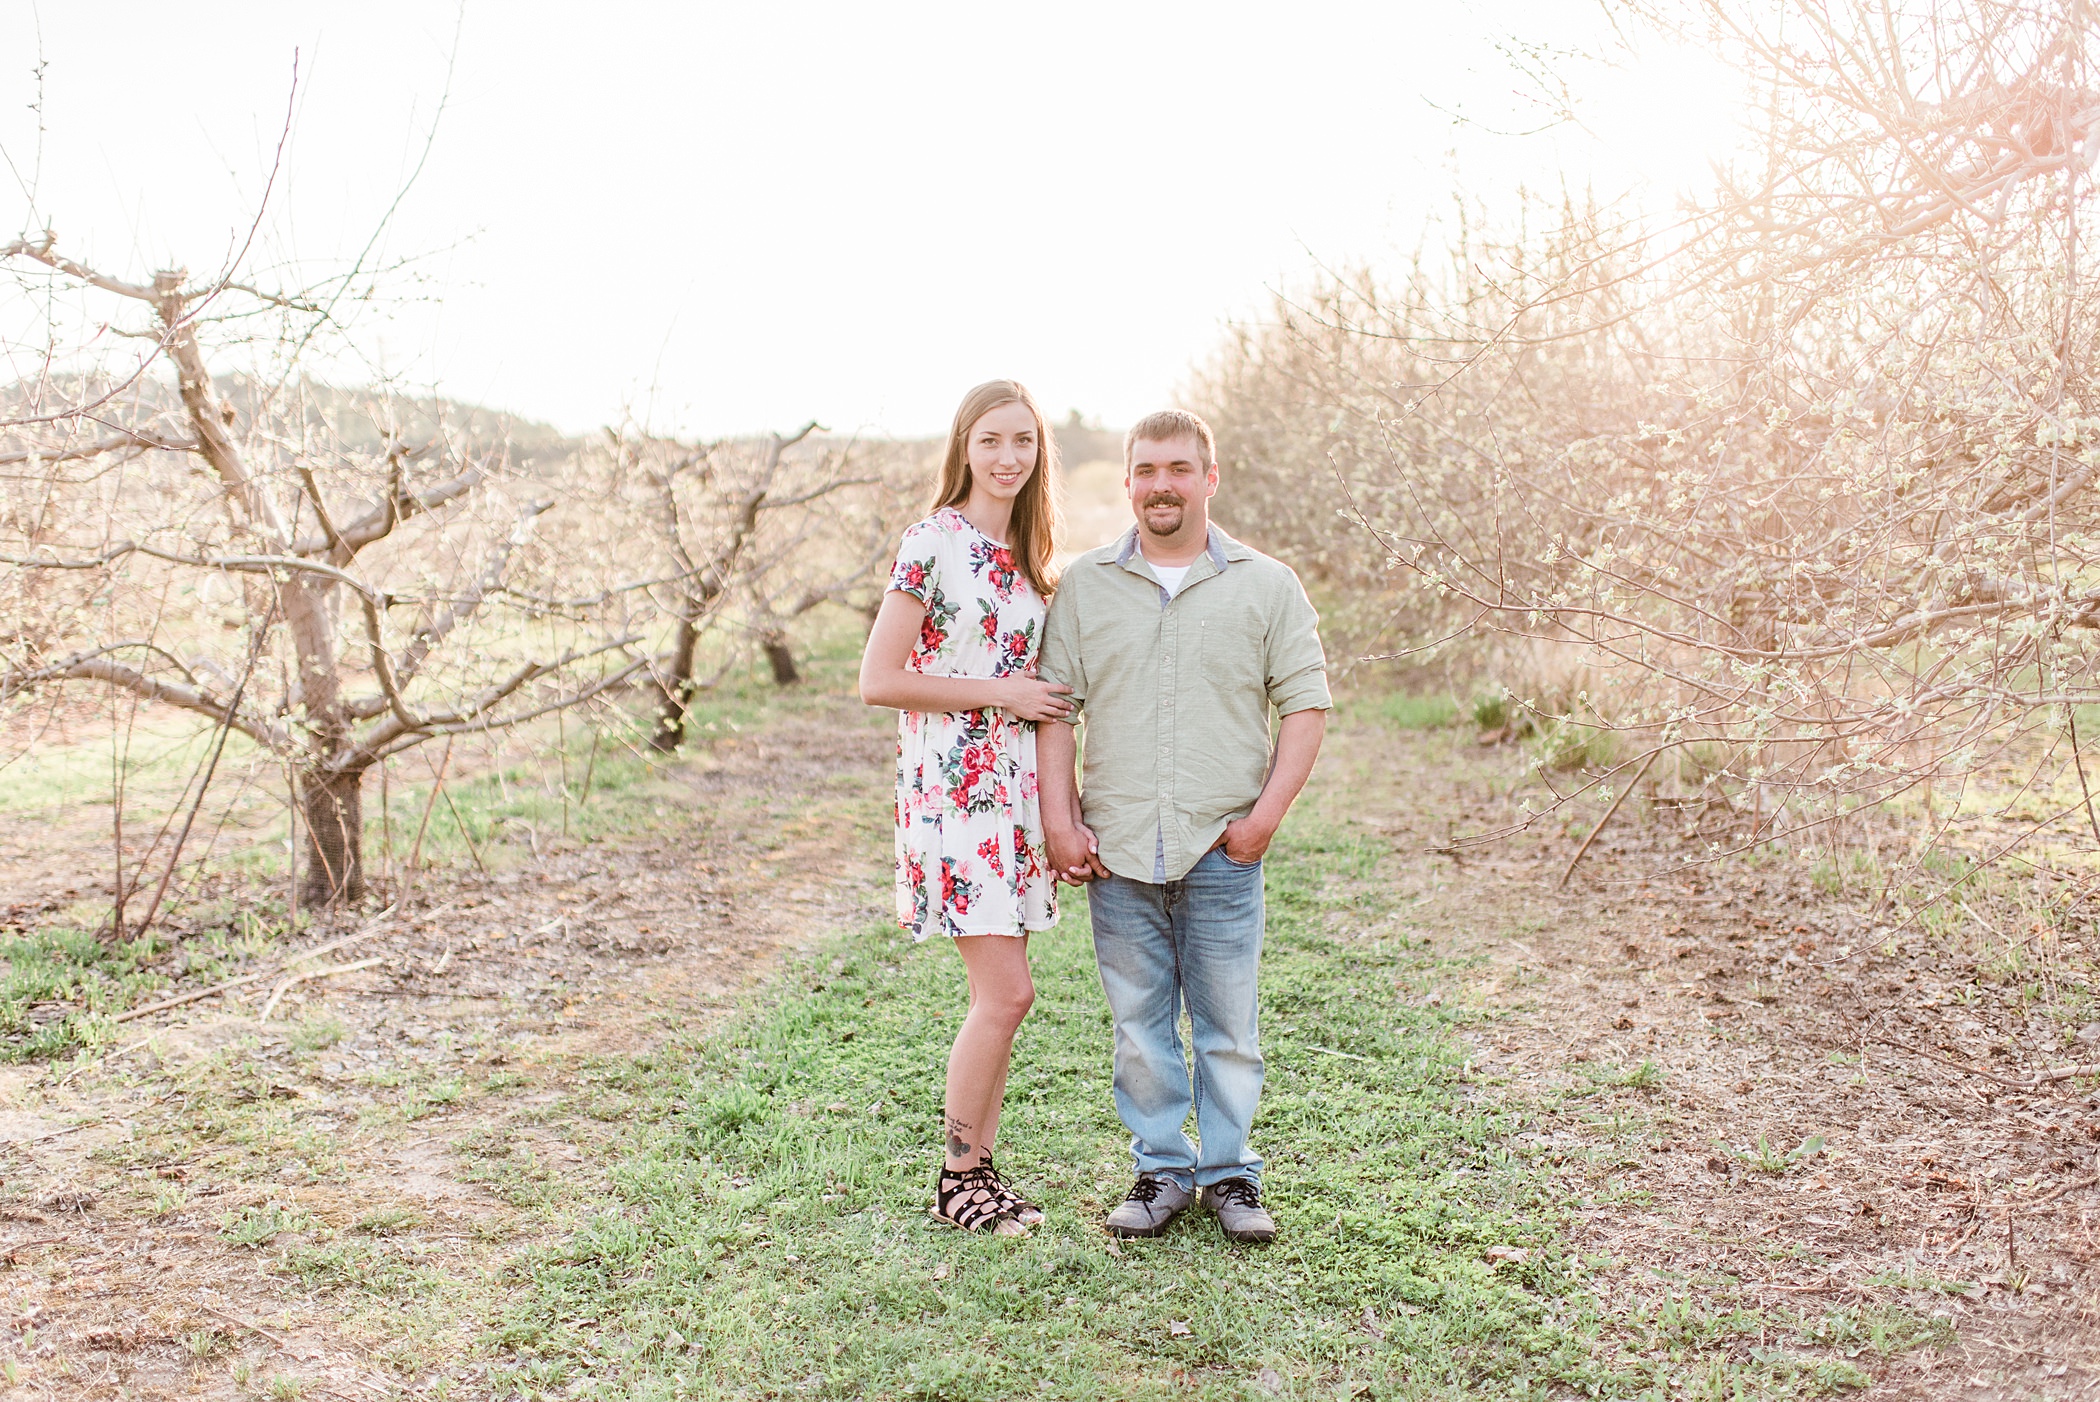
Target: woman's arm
[[1074, 851], [885, 680]]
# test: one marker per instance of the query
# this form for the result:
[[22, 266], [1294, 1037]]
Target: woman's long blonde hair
[[1033, 530]]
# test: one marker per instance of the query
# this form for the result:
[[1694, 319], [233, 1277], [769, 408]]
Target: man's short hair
[[1167, 425]]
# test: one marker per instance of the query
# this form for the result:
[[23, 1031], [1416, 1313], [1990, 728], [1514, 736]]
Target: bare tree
[[358, 566], [830, 550], [725, 513], [1802, 479]]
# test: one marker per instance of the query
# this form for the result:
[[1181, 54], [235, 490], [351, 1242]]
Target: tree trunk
[[678, 688], [775, 643], [332, 806]]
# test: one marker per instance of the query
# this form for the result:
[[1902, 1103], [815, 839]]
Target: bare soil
[[1771, 1015], [414, 1142], [116, 1276]]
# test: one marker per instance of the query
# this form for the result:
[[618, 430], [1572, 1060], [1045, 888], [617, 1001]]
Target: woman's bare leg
[[1001, 992]]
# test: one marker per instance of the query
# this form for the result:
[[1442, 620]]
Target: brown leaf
[[1179, 1328], [1511, 1255]]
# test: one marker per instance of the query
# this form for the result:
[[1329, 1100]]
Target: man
[[1177, 643]]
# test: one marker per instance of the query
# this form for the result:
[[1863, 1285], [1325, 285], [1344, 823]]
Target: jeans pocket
[[1228, 859]]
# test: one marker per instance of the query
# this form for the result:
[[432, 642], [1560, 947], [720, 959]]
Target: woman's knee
[[1007, 1004], [1001, 987]]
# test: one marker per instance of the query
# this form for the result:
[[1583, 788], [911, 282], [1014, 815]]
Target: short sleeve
[[1297, 665], [916, 558], [1060, 661]]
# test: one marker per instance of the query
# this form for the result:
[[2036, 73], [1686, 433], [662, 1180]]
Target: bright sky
[[740, 216]]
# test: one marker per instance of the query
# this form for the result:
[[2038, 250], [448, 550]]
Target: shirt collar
[[1221, 548]]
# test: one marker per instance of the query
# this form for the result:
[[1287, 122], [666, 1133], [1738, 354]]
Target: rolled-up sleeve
[[1061, 661], [1297, 664]]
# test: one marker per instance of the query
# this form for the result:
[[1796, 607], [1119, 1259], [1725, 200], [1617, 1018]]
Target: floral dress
[[970, 857]]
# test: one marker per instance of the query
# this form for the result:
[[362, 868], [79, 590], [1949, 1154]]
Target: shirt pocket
[[1233, 650]]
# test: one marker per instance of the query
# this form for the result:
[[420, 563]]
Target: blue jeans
[[1193, 943]]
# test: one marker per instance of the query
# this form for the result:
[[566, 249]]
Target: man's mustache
[[1165, 499]]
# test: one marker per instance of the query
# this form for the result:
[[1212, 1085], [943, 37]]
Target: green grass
[[1496, 709], [769, 1238], [586, 780], [1404, 711], [1570, 746], [1771, 1158], [60, 985], [259, 1226], [163, 748]]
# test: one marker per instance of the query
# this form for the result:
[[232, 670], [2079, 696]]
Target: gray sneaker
[[1237, 1201], [1153, 1203]]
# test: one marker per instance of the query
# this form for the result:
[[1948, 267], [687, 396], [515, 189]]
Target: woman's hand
[[1029, 698]]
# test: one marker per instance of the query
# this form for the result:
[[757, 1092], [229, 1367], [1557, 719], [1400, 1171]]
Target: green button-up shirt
[[1175, 694]]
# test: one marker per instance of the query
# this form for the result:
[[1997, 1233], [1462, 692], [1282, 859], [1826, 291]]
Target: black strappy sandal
[[974, 1200], [1019, 1208]]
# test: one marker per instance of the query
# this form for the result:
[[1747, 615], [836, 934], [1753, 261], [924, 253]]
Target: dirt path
[[1766, 1017], [188, 1217], [397, 1128]]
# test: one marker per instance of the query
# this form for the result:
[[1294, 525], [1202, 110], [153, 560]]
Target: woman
[[954, 649]]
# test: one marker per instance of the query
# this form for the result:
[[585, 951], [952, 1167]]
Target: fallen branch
[[252, 1327], [2034, 1082], [329, 972], [1330, 1051], [1820, 1288], [2090, 1180], [374, 926]]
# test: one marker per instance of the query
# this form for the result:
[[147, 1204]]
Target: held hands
[[1074, 854], [1029, 698]]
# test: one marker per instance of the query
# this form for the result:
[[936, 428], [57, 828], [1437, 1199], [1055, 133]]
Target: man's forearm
[[1297, 746], [1056, 747]]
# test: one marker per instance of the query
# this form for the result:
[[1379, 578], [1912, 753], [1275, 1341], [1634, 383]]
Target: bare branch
[[101, 668], [127, 439], [43, 252], [377, 522], [490, 581], [237, 564]]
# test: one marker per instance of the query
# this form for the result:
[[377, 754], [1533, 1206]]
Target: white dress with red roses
[[970, 857]]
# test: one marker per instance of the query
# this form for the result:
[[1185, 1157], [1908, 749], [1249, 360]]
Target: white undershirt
[[1171, 578]]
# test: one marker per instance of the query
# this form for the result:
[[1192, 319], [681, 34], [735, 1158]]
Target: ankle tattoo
[[958, 1141]]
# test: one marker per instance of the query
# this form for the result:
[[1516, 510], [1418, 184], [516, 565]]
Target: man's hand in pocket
[[1246, 840]]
